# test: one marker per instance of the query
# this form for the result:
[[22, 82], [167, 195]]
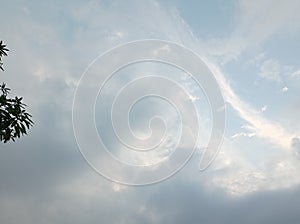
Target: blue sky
[[251, 47]]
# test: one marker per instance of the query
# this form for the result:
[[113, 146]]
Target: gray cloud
[[296, 145]]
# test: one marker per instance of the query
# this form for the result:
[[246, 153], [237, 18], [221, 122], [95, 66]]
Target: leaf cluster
[[3, 51], [14, 120]]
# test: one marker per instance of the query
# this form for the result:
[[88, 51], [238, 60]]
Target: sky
[[61, 52]]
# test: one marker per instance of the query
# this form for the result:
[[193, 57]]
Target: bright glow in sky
[[253, 50]]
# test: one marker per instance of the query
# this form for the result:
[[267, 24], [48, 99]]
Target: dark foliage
[[3, 50], [14, 120]]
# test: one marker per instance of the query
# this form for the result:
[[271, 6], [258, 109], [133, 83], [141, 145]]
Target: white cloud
[[264, 108], [284, 89], [264, 127], [255, 23], [296, 73], [240, 179], [258, 59], [270, 69], [243, 134]]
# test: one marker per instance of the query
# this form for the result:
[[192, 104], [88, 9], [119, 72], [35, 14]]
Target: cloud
[[254, 25], [296, 74], [284, 89], [195, 205], [44, 179], [270, 69], [296, 144], [243, 134], [263, 127], [264, 108]]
